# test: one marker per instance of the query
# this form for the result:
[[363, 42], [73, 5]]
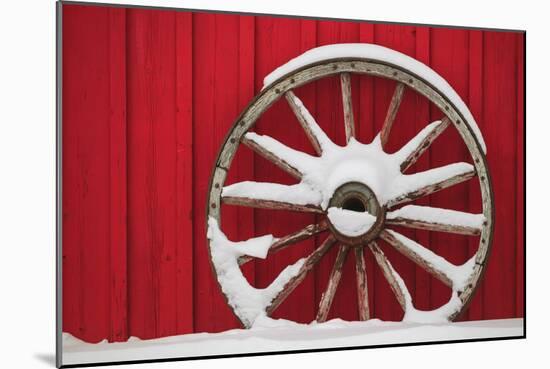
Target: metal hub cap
[[356, 200]]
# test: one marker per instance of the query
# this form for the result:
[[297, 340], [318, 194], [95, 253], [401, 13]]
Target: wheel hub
[[358, 198]]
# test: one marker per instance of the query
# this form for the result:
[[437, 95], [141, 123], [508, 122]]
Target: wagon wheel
[[357, 207]]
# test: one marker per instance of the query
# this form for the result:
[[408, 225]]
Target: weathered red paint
[[148, 96]]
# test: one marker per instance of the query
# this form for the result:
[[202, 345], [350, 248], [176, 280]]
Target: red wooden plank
[[449, 58], [330, 115], [184, 172], [277, 41], [274, 45], [520, 177], [500, 122], [163, 94], [117, 163], [151, 163], [366, 132], [203, 121], [475, 104], [422, 286], [245, 165], [141, 298], [205, 130], [86, 185], [71, 181], [365, 120], [403, 39], [216, 41]]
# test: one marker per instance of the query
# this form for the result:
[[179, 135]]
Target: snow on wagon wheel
[[355, 188]]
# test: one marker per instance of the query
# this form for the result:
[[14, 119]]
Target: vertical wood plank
[[475, 104], [330, 116], [94, 148], [151, 163], [141, 277], [422, 287], [72, 293], [184, 171], [117, 175], [277, 41], [86, 173], [365, 121], [216, 40], [520, 177], [403, 39], [164, 134], [449, 58], [245, 93], [204, 131], [500, 122], [366, 131]]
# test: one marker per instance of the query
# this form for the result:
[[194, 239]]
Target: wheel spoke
[[454, 276], [394, 279], [391, 113], [332, 285], [265, 195], [268, 204], [349, 124], [362, 286], [284, 157], [314, 133], [421, 142], [291, 239], [413, 186], [436, 219], [306, 267]]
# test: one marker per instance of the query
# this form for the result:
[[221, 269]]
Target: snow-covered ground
[[275, 336]]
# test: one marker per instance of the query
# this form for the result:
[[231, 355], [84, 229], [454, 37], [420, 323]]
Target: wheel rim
[[462, 288]]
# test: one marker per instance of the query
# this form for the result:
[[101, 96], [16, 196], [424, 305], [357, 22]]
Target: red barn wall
[[148, 96]]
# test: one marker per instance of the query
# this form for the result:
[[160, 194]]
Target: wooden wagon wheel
[[358, 205]]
